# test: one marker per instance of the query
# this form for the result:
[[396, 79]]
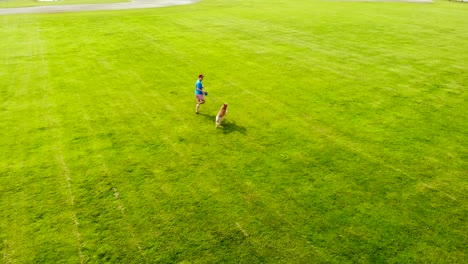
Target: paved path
[[135, 4]]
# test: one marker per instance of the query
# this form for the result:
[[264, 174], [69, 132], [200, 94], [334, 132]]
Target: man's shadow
[[210, 117], [227, 126]]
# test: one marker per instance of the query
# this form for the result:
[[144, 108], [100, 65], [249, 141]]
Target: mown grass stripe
[[54, 121]]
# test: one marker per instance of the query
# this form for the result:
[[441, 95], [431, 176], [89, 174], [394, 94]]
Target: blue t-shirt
[[199, 86]]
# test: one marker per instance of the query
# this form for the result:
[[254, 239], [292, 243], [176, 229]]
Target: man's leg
[[198, 105]]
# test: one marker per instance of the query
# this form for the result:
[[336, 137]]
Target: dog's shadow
[[231, 126], [227, 126]]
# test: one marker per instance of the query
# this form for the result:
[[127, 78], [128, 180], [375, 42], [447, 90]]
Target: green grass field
[[345, 141], [27, 3]]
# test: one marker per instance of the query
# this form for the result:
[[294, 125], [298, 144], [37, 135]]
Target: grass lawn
[[345, 141], [26, 3]]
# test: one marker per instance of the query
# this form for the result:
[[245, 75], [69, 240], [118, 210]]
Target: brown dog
[[222, 112]]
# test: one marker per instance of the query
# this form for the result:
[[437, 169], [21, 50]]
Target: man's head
[[200, 76]]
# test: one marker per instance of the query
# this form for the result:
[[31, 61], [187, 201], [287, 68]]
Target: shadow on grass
[[226, 126], [210, 117], [229, 127]]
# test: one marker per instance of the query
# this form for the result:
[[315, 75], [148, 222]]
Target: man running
[[199, 93]]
